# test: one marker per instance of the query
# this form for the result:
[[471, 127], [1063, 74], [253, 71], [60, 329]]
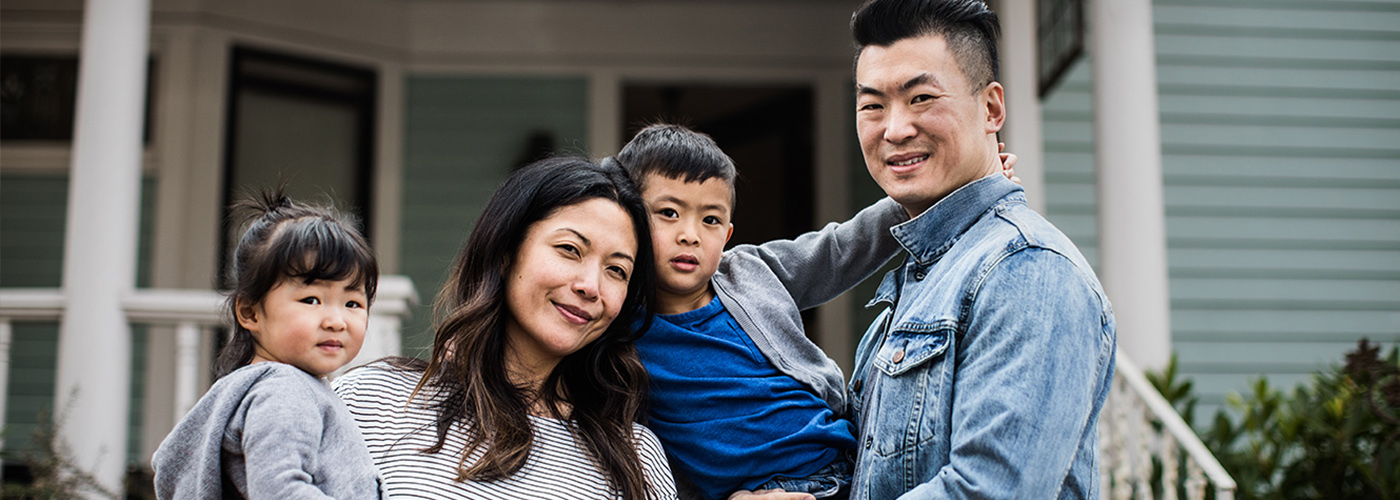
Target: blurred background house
[[1276, 243]]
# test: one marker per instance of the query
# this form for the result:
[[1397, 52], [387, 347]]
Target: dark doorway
[[305, 122], [767, 129]]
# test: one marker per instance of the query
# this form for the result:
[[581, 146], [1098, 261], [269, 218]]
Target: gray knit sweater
[[267, 430]]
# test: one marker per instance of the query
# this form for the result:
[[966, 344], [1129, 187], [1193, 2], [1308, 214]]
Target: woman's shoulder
[[381, 378]]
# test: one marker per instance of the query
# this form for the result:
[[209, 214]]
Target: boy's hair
[[289, 240], [968, 26], [676, 152]]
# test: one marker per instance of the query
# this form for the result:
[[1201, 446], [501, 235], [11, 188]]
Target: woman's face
[[567, 283]]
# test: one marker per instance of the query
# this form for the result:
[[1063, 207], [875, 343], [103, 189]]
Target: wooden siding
[[33, 209], [1281, 164], [462, 136]]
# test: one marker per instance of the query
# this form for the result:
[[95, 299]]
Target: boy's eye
[[311, 300], [710, 219]]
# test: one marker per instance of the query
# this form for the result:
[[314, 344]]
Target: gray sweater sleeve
[[281, 438], [820, 265]]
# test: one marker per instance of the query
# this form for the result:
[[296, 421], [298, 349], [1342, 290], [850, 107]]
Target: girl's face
[[567, 283], [317, 327]]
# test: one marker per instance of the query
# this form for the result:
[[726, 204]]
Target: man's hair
[[676, 152], [968, 26]]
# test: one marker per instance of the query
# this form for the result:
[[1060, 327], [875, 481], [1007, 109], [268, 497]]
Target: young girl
[[270, 427]]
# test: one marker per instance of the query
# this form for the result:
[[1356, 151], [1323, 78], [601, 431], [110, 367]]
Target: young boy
[[739, 397]]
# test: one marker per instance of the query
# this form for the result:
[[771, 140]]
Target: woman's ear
[[247, 315]]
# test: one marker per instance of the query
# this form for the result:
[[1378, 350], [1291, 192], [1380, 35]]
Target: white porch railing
[[193, 314], [1138, 425]]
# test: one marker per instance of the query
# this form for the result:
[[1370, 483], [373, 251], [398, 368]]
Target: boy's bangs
[[312, 248]]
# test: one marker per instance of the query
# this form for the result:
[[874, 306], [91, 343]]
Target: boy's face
[[689, 227]]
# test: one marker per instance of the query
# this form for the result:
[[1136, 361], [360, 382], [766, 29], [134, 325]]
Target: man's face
[[924, 130]]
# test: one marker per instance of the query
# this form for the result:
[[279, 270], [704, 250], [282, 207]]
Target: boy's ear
[[246, 314], [729, 234]]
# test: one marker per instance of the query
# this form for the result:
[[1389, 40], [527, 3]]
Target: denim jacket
[[985, 374]]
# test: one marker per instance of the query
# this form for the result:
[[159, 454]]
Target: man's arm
[[1028, 372]]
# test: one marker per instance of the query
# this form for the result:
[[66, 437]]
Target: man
[[985, 374]]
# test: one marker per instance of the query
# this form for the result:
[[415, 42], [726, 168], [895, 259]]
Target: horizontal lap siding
[[462, 135], [33, 211], [1281, 168]]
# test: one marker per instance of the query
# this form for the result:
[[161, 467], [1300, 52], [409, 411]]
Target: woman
[[534, 384]]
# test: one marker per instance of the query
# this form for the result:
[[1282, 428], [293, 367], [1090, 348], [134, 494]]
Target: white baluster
[[186, 367], [6, 335]]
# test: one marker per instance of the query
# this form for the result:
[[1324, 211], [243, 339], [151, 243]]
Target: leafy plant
[[1337, 437], [55, 474]]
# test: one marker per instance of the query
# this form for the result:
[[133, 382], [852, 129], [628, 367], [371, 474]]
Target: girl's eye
[[668, 213], [354, 304], [311, 300]]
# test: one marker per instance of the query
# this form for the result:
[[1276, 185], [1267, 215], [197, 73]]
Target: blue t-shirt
[[728, 418]]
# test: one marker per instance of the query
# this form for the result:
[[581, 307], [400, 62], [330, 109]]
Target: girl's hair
[[602, 385], [289, 240]]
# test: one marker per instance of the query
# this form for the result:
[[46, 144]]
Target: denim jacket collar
[[933, 232]]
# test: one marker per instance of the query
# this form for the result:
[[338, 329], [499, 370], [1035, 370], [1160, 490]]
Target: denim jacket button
[[898, 356], [858, 385], [869, 441], [919, 276]]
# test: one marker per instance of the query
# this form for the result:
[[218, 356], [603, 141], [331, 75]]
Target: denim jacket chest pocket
[[913, 373]]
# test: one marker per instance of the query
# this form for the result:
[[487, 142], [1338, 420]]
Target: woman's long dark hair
[[289, 240], [602, 386]]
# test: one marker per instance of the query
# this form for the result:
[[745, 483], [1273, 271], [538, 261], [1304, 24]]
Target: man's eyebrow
[[921, 79], [865, 90]]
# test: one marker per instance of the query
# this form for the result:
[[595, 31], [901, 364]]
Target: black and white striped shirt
[[558, 467]]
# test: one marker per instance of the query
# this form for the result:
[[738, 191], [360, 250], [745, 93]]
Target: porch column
[[1018, 73], [1128, 157], [99, 256]]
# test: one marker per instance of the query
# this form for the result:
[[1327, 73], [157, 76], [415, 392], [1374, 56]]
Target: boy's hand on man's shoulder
[[1008, 163]]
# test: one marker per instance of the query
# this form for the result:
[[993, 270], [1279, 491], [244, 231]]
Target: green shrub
[[1337, 437]]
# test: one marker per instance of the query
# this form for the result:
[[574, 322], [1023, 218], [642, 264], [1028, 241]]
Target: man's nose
[[899, 125]]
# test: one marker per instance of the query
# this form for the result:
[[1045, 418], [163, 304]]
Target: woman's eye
[[567, 248], [311, 300], [619, 272]]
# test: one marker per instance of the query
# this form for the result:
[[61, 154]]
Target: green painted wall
[[1281, 165], [462, 136], [33, 208]]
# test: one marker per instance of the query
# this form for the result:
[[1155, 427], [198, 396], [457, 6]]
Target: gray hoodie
[[267, 430]]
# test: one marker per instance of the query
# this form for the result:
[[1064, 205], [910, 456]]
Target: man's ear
[[247, 315], [996, 106]]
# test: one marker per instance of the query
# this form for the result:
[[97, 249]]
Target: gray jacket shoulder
[[765, 288]]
